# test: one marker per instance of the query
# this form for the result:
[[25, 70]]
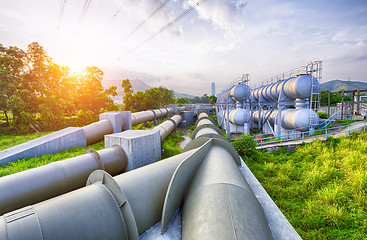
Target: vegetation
[[345, 122], [25, 164], [321, 188], [203, 99], [35, 91], [170, 145], [152, 98], [322, 114], [7, 141], [334, 98]]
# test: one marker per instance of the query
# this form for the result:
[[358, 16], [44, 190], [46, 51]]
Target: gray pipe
[[168, 126], [48, 181], [219, 203], [110, 208], [95, 132]]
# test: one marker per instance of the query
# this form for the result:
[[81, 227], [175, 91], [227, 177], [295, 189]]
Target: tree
[[181, 101], [11, 74], [212, 99]]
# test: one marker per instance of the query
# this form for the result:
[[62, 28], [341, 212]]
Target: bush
[[246, 147], [322, 114]]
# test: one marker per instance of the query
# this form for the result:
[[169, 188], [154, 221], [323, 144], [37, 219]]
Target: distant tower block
[[213, 88]]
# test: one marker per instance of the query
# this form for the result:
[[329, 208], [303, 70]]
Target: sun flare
[[76, 69]]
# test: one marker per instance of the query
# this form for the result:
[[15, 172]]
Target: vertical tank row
[[276, 107]]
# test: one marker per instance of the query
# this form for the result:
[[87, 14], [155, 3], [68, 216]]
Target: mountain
[[137, 84], [337, 85], [183, 95]]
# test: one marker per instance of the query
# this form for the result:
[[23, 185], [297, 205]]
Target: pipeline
[[218, 204], [168, 126], [122, 207], [149, 115], [48, 181]]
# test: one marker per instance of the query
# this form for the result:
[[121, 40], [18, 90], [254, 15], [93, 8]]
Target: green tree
[[11, 75], [181, 101], [212, 99]]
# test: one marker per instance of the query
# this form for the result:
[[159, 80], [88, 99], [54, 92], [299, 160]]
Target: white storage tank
[[239, 116], [301, 87], [240, 92], [298, 118]]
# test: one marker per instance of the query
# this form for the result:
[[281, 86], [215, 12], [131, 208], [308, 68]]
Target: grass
[[170, 145], [7, 141], [25, 164], [321, 188]]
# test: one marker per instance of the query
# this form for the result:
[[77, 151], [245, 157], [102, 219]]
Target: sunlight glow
[[77, 69]]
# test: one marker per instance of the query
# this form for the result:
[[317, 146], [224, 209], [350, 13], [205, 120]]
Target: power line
[[145, 20], [61, 13], [84, 11], [170, 24]]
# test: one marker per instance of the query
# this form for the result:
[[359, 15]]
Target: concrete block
[[52, 143], [188, 116], [115, 118], [182, 124], [126, 117], [142, 147]]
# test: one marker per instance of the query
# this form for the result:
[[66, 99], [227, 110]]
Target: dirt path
[[186, 140]]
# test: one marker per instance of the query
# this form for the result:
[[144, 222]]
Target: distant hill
[[337, 85], [137, 84], [183, 95]]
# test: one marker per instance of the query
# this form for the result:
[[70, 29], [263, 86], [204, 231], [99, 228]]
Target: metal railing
[[319, 133]]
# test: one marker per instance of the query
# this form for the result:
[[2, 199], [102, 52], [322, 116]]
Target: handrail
[[309, 134]]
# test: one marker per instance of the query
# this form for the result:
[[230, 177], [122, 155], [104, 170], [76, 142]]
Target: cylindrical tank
[[301, 87], [239, 116], [95, 132], [298, 118], [240, 92], [45, 182]]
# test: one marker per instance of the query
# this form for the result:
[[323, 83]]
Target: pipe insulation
[[168, 126], [122, 207], [48, 181]]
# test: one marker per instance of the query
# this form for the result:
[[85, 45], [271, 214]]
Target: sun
[[77, 69]]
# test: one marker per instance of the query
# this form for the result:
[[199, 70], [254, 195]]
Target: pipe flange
[[96, 155], [193, 135], [174, 123], [102, 177], [155, 115]]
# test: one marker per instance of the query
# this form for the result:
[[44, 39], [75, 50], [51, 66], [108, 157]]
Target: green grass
[[7, 141], [25, 164], [321, 188], [170, 145]]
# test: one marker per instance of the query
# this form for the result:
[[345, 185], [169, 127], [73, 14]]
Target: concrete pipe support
[[45, 182]]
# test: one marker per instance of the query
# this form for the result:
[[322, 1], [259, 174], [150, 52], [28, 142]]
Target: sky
[[218, 41]]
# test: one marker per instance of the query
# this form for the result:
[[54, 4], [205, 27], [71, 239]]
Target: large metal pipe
[[109, 208], [95, 132], [149, 115], [219, 203], [45, 182], [168, 126]]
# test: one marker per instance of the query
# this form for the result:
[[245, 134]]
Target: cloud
[[227, 15]]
